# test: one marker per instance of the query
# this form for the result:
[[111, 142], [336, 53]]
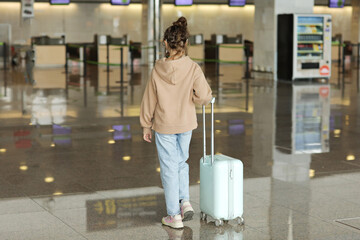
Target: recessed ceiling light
[[49, 179]]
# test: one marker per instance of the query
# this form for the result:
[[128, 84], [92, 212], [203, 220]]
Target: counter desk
[[335, 52], [197, 52], [50, 55], [114, 54], [231, 52]]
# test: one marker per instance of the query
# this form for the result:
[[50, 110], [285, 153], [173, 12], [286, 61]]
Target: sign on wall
[[27, 8]]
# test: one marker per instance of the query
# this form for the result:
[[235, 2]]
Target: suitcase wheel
[[240, 220], [203, 216], [219, 222]]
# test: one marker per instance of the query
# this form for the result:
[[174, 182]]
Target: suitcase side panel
[[238, 189], [235, 186], [221, 188], [206, 188], [214, 188]]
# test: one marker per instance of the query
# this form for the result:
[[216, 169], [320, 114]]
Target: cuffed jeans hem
[[174, 214]]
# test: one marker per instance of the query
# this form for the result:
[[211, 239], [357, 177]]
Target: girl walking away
[[168, 107]]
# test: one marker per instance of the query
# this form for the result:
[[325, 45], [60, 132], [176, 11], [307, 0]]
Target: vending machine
[[304, 46]]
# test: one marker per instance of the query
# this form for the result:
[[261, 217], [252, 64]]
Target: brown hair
[[176, 36]]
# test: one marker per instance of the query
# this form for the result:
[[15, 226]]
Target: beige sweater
[[168, 104]]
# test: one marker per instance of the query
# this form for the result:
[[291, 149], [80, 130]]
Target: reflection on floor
[[73, 164]]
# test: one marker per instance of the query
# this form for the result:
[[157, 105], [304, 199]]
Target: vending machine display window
[[310, 37]]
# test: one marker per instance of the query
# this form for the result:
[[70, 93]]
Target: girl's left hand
[[147, 134]]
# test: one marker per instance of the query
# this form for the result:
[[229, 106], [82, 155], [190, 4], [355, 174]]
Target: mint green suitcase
[[221, 183]]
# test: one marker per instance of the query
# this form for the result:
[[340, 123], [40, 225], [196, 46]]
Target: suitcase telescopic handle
[[212, 130]]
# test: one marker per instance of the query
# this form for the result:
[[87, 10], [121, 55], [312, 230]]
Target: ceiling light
[[2, 150], [49, 179], [311, 173], [23, 168], [350, 157], [111, 142], [126, 158]]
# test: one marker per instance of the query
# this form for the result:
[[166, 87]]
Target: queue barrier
[[341, 54], [219, 61], [121, 48]]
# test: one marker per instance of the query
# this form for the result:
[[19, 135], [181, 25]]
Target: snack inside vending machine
[[304, 46]]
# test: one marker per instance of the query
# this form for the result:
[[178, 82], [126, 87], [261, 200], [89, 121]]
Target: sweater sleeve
[[148, 104], [202, 91]]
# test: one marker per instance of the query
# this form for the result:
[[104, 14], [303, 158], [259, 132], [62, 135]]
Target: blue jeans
[[173, 151]]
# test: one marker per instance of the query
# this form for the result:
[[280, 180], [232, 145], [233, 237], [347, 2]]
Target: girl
[[168, 107]]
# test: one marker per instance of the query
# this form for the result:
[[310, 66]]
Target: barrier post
[[121, 66], [358, 55], [247, 69], [121, 82], [247, 95], [131, 59], [84, 59], [154, 54], [217, 60], [107, 56], [66, 59], [357, 71], [343, 59], [339, 53], [5, 56]]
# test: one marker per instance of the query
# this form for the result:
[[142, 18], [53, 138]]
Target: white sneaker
[[187, 212], [173, 221]]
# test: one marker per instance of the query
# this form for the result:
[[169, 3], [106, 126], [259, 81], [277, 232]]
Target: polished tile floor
[[73, 164]]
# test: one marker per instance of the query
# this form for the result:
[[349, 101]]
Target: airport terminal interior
[[73, 162]]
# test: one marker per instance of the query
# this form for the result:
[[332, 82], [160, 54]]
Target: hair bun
[[181, 22]]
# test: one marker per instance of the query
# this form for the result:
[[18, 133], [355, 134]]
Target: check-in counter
[[231, 52], [114, 49], [335, 51], [114, 54], [196, 48], [335, 45], [50, 55], [49, 52], [229, 48]]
